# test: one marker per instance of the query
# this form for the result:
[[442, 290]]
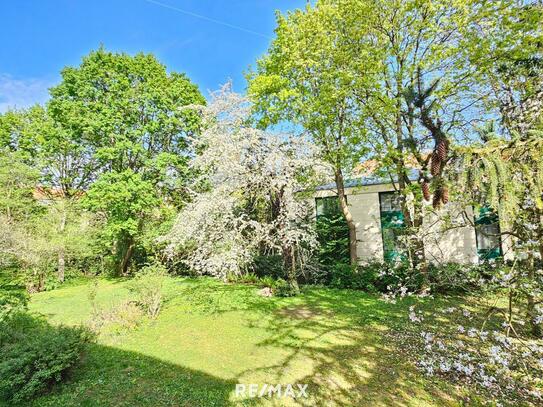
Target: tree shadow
[[333, 340], [109, 376], [340, 337]]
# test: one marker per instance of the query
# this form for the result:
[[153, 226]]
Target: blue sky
[[211, 40]]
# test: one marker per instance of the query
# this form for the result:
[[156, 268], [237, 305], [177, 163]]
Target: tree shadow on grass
[[108, 376], [339, 336]]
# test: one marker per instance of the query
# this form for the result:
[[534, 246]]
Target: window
[[487, 233], [390, 202], [328, 206], [392, 225]]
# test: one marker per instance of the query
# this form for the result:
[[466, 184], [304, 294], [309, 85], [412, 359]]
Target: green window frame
[[392, 225], [488, 234]]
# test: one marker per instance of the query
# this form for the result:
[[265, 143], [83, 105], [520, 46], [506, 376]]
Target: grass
[[211, 336]]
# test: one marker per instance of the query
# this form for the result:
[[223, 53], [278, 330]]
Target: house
[[464, 237]]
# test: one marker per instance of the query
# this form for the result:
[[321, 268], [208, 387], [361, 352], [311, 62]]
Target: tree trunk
[[340, 184], [289, 264], [125, 254], [61, 265], [419, 257], [536, 328], [413, 223], [61, 251]]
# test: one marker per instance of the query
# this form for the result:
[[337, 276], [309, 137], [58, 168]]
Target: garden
[[363, 226]]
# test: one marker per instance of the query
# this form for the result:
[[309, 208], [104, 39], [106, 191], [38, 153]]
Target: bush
[[267, 281], [271, 266], [34, 355], [249, 278], [282, 288], [124, 316], [458, 278], [373, 277], [12, 299], [333, 237], [362, 278], [147, 285]]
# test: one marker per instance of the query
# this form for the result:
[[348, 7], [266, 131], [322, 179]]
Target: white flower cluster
[[253, 200], [494, 360]]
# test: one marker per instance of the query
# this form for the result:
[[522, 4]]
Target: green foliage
[[13, 298], [125, 198], [116, 319], [454, 278], [364, 278], [34, 245], [267, 281], [268, 266], [127, 113], [450, 278], [17, 183], [283, 288], [333, 237], [147, 286], [304, 79], [246, 278], [34, 355]]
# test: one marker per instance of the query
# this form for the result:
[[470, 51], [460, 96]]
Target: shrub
[[361, 278], [249, 278], [282, 288], [333, 237], [267, 281], [454, 277], [147, 286], [12, 299], [387, 278], [125, 316], [34, 355], [271, 266]]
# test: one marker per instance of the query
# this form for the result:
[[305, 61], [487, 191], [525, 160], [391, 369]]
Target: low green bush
[[115, 319], [346, 276], [248, 278], [383, 277], [268, 266], [147, 286], [282, 288], [267, 281], [460, 278], [34, 355], [12, 299]]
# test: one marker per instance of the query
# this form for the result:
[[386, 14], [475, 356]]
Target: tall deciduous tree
[[125, 112], [506, 170], [64, 164], [17, 183], [385, 79], [306, 79], [255, 203]]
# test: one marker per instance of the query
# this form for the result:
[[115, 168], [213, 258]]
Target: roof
[[370, 180], [41, 193]]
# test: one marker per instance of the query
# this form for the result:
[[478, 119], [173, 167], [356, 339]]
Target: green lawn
[[211, 336]]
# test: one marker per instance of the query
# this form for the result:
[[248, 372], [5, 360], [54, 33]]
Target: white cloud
[[21, 93]]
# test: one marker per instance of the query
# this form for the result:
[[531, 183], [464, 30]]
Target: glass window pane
[[487, 229], [392, 225], [328, 206]]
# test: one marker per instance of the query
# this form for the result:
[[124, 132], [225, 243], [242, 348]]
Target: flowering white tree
[[253, 185]]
